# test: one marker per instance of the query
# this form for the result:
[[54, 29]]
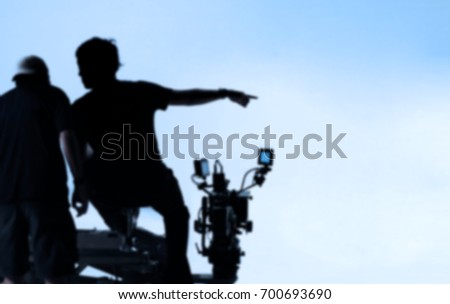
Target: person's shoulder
[[149, 85], [58, 93], [144, 83], [8, 94], [140, 84], [143, 89], [8, 98], [82, 101]]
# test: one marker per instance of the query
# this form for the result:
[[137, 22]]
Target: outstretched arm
[[197, 97]]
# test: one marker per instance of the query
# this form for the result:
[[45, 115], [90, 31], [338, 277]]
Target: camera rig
[[223, 215]]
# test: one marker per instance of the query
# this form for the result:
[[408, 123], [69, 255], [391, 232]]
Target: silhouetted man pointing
[[132, 182]]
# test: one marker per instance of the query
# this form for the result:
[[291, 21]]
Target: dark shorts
[[163, 194], [47, 231]]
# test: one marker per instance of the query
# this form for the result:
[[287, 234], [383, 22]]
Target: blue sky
[[376, 70]]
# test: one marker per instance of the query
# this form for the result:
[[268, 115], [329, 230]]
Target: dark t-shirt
[[118, 123], [31, 163]]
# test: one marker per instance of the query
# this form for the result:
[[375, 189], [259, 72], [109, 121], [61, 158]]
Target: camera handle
[[258, 178]]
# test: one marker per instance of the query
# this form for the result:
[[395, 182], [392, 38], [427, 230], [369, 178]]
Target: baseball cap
[[32, 65]]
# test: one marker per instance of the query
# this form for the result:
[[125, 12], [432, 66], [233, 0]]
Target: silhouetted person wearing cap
[[34, 120], [130, 178]]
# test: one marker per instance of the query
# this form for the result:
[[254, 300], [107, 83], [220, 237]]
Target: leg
[[14, 253], [53, 240], [171, 206], [113, 216]]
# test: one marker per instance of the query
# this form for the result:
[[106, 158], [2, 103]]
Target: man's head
[[98, 61], [33, 67]]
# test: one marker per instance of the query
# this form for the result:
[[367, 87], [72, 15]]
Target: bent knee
[[180, 213]]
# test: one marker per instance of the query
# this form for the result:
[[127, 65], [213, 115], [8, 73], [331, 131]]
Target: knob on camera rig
[[223, 215]]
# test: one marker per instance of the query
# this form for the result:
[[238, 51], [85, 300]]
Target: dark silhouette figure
[[110, 107], [34, 119]]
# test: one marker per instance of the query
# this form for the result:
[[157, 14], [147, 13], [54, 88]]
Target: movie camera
[[223, 214]]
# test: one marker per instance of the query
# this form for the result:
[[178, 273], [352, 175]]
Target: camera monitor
[[201, 168], [266, 157]]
